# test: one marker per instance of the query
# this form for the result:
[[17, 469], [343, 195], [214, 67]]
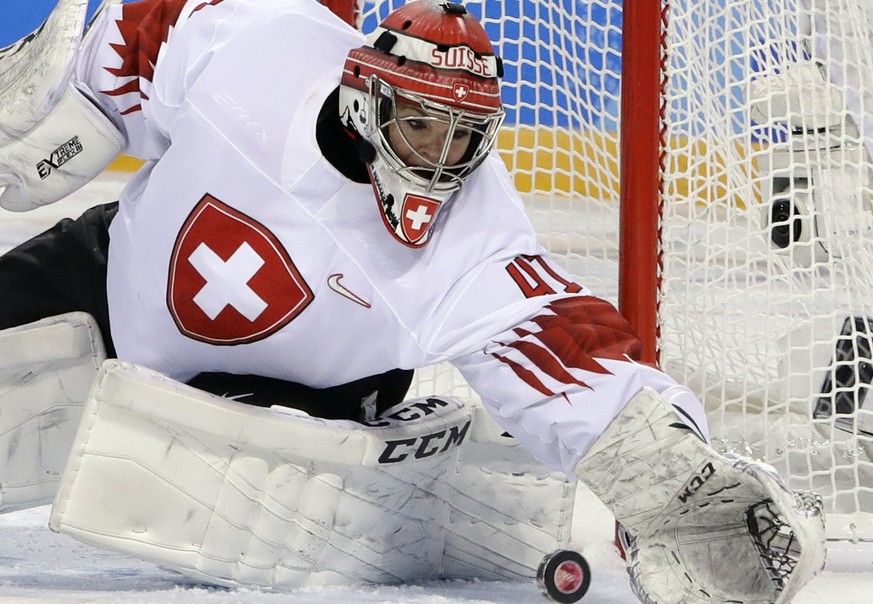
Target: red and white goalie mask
[[424, 91]]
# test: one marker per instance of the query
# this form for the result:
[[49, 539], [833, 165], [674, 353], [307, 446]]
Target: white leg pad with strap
[[706, 528], [46, 371], [245, 496], [507, 510]]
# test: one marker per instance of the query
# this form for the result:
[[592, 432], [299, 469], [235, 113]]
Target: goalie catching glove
[[707, 528]]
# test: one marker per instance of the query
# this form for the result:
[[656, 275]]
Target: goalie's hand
[[707, 528], [735, 534]]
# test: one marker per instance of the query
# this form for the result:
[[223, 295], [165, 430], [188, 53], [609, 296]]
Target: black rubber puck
[[564, 576]]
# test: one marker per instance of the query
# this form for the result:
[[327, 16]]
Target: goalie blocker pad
[[67, 150], [53, 139], [34, 71], [271, 498], [46, 371]]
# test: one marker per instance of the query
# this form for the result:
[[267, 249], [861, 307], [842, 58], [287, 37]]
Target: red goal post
[[641, 116]]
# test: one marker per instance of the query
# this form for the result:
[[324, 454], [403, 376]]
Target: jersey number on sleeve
[[536, 277]]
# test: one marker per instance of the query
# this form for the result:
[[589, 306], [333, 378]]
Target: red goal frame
[[642, 109]]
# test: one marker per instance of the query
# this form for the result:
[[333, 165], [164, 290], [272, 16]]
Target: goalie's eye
[[422, 125], [415, 124], [425, 140]]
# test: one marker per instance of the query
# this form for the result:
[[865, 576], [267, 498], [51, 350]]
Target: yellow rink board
[[585, 163], [543, 160]]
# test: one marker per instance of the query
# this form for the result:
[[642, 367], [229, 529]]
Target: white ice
[[38, 566]]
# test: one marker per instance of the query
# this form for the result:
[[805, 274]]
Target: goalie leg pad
[[246, 496], [707, 528], [46, 371], [507, 510]]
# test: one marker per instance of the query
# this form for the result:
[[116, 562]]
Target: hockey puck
[[564, 576]]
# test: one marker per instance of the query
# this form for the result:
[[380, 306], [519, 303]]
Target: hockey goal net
[[740, 190]]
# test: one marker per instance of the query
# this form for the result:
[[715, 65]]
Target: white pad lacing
[[46, 371], [244, 496]]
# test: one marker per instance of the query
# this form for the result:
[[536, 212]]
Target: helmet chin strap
[[366, 150], [408, 212]]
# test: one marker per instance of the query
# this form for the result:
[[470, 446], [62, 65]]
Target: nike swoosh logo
[[334, 283]]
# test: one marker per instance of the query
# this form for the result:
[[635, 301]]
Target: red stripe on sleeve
[[526, 376], [581, 329], [547, 363]]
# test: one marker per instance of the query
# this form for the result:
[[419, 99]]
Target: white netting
[[767, 235], [767, 225]]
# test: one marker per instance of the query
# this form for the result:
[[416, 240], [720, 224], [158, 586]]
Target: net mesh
[[766, 235]]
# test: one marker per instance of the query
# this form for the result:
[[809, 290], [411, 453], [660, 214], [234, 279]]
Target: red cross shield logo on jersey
[[231, 281], [417, 216]]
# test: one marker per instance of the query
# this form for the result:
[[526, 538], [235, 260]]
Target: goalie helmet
[[424, 93]]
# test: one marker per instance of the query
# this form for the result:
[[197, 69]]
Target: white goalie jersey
[[239, 248]]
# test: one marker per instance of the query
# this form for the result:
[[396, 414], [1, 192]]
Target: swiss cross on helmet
[[424, 91]]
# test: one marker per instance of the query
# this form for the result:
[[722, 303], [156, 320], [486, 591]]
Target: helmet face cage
[[424, 93], [394, 136]]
